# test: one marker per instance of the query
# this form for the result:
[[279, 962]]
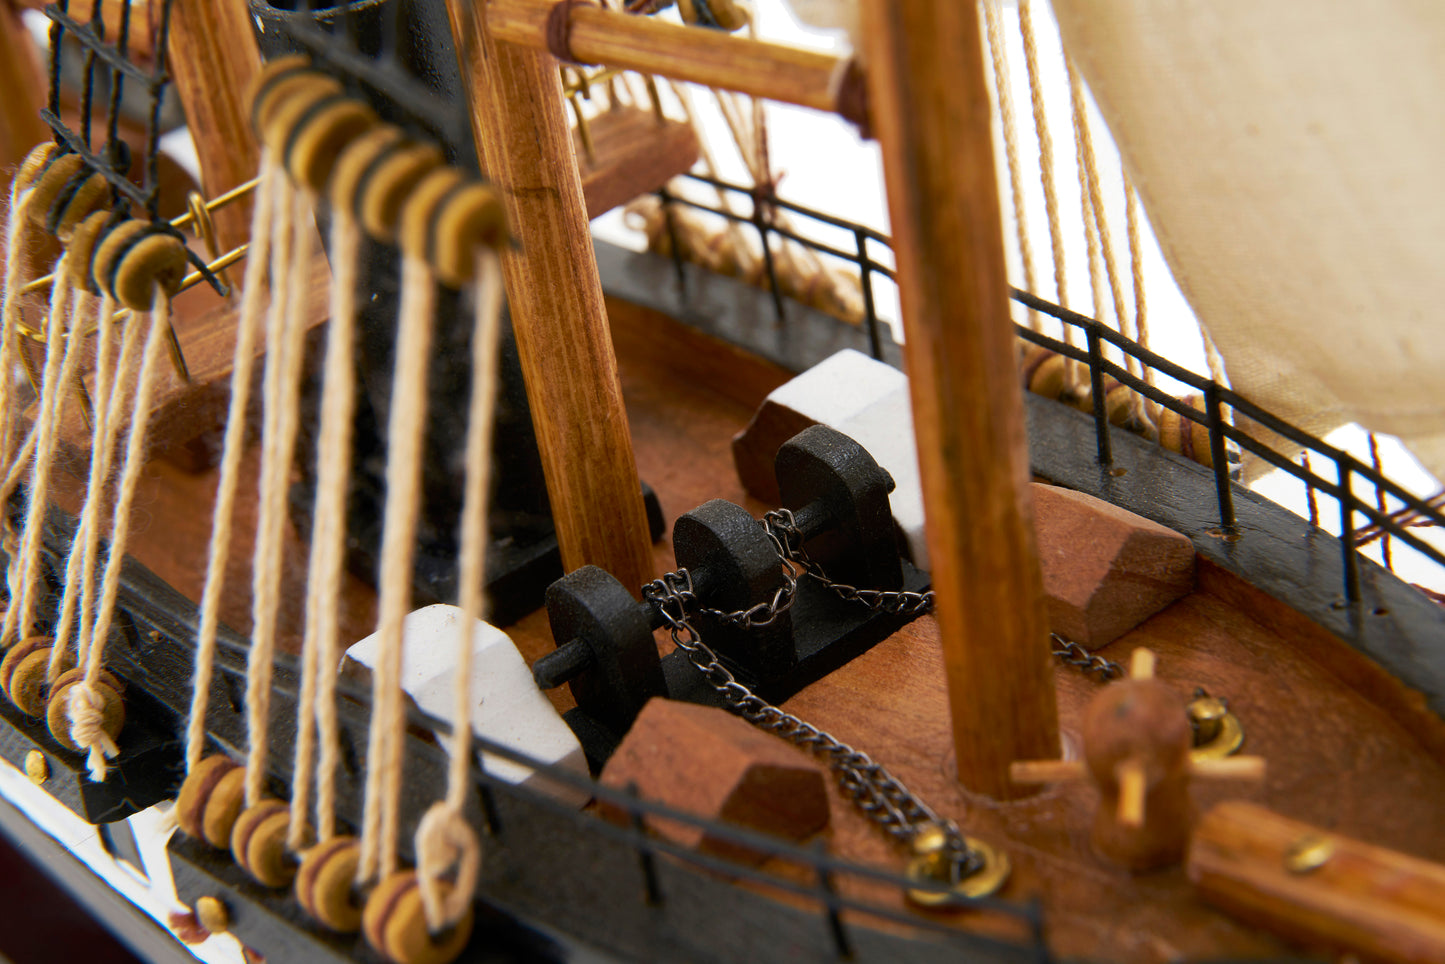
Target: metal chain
[[788, 540], [1075, 655], [875, 791]]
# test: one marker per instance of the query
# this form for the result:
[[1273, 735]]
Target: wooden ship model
[[260, 436]]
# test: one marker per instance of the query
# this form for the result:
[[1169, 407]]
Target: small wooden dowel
[[1141, 663], [709, 57], [1046, 771], [1229, 768], [1132, 789]]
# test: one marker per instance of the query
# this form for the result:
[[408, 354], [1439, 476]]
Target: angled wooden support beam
[[930, 111], [212, 57], [595, 35], [555, 297]]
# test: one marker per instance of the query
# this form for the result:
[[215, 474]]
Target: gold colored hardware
[[1217, 732], [37, 768], [932, 864], [206, 231], [212, 915], [1309, 853]]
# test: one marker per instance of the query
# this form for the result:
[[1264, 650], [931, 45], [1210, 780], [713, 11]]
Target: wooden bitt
[[708, 57], [925, 59], [211, 799], [212, 59], [1319, 887], [325, 884], [633, 152], [555, 297], [395, 925]]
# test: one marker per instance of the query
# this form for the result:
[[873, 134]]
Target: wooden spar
[[1318, 887], [653, 46], [930, 111], [555, 297], [212, 57], [24, 83]]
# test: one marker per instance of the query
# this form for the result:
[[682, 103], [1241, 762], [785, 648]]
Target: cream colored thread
[[444, 837], [1046, 149], [403, 499], [282, 386], [328, 541], [248, 327], [122, 381], [85, 698], [16, 233], [102, 442], [997, 45], [18, 468], [60, 357], [1077, 373], [1138, 409]]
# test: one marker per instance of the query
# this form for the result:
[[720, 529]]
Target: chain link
[[871, 788], [1088, 663]]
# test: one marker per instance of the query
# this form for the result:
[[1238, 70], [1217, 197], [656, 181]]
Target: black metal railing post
[[1345, 464], [652, 891], [665, 196], [828, 897], [865, 280], [1223, 492], [760, 221], [1096, 388]]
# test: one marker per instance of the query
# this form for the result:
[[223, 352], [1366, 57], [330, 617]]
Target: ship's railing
[[1327, 470]]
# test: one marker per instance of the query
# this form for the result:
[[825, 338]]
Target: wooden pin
[[154, 262], [57, 711], [325, 884], [80, 252], [212, 915], [316, 143], [395, 924], [355, 159], [48, 183], [283, 110], [388, 182]]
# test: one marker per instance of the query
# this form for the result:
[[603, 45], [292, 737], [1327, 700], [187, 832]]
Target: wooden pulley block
[[1045, 373], [387, 183], [283, 111], [23, 674], [80, 251], [258, 842], [718, 14], [356, 159], [325, 884], [84, 194], [395, 924], [447, 218], [31, 168], [1184, 435], [135, 258], [273, 83], [53, 178], [57, 711], [211, 799], [320, 134]]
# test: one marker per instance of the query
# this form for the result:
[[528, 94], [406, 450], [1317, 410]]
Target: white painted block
[[867, 401], [507, 707]]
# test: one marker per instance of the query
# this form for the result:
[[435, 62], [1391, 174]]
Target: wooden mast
[[929, 107], [212, 57], [555, 297]]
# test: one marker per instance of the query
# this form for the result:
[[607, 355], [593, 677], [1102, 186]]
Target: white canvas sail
[[1290, 156]]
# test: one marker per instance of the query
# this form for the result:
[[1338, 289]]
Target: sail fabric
[[1291, 157]]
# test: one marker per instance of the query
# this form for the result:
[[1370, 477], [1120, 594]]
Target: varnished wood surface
[[931, 112], [1338, 757], [212, 59], [23, 80], [555, 297], [712, 58], [634, 152]]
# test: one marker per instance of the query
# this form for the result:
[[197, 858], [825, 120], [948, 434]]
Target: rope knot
[[87, 726], [558, 33], [444, 839]]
